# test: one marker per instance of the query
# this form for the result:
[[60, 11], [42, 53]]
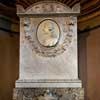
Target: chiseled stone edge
[[48, 83], [48, 94]]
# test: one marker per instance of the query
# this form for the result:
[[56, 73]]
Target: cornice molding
[[5, 10]]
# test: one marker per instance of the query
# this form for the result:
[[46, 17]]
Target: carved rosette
[[49, 94], [66, 26]]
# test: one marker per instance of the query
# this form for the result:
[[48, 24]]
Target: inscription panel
[[57, 61]]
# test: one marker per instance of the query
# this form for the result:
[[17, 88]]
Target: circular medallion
[[48, 33]]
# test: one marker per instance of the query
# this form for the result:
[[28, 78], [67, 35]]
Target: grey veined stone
[[67, 97]]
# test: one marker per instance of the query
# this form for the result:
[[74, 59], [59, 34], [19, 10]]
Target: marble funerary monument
[[48, 53]]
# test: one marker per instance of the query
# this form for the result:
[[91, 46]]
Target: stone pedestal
[[48, 94]]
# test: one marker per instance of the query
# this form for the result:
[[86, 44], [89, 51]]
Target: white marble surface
[[33, 66], [48, 83], [63, 66]]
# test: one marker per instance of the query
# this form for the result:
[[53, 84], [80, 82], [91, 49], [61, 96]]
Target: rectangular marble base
[[48, 83], [48, 94]]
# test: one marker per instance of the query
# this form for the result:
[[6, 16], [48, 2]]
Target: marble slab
[[48, 94], [42, 64]]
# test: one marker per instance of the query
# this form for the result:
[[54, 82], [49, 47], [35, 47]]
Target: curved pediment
[[47, 7]]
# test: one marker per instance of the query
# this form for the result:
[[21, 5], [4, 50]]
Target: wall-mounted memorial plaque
[[48, 53]]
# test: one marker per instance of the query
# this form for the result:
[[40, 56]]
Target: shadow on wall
[[89, 63], [9, 60]]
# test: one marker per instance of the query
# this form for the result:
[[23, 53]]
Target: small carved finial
[[20, 9], [76, 8]]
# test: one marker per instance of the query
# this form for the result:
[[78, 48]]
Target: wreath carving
[[45, 51]]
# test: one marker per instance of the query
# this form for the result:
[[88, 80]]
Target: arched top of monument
[[48, 7]]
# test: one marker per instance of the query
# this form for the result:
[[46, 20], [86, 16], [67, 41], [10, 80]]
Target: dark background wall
[[89, 63], [93, 65], [9, 60]]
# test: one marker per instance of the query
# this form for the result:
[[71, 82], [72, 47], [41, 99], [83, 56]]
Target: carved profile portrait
[[48, 33]]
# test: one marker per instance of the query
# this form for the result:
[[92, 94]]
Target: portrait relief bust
[[48, 33]]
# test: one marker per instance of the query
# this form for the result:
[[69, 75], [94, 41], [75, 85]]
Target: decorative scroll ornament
[[52, 50]]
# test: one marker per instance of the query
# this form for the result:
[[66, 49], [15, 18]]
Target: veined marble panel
[[34, 65], [48, 94]]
